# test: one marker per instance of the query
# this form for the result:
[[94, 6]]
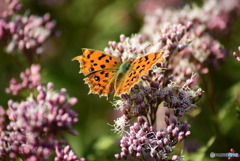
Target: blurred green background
[[91, 24]]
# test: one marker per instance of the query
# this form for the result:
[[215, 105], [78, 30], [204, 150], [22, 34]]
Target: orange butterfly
[[106, 74]]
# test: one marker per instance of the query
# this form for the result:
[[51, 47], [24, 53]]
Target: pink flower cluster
[[161, 87], [203, 51], [36, 125], [144, 142], [66, 154], [31, 78], [10, 7], [24, 33]]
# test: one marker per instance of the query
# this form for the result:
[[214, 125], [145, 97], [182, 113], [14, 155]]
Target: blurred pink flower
[[31, 78], [2, 117], [66, 154], [25, 33], [236, 55], [148, 6]]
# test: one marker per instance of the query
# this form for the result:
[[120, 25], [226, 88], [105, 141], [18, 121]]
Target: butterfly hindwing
[[139, 67], [100, 69], [101, 82]]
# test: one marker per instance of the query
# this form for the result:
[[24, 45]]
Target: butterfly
[[106, 74]]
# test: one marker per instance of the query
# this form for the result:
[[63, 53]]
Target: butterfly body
[[123, 68], [106, 74]]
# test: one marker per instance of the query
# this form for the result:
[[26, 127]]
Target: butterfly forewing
[[92, 61], [139, 67]]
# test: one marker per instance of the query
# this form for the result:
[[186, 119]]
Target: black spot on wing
[[91, 69], [91, 52], [146, 58], [92, 61], [102, 56], [107, 61], [155, 56], [100, 91], [97, 78], [102, 66], [133, 78]]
